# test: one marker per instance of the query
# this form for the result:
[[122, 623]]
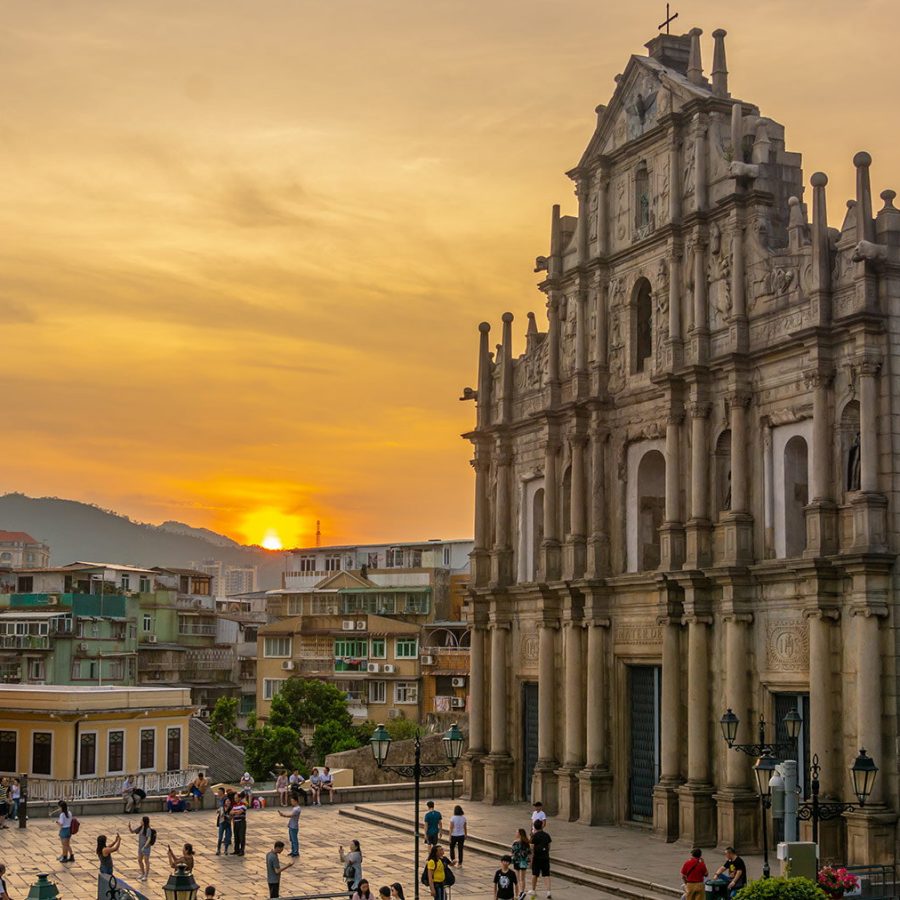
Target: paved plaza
[[387, 853]]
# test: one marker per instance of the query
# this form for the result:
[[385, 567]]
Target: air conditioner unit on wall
[[458, 682], [288, 665], [152, 638], [360, 624], [82, 646], [427, 660], [393, 713], [457, 703], [373, 667], [390, 669], [347, 625]]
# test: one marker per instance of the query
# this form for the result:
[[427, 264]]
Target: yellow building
[[73, 733]]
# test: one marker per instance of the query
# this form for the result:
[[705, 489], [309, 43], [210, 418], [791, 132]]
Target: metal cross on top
[[669, 18]]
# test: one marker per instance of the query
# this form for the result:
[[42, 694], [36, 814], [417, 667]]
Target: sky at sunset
[[245, 246]]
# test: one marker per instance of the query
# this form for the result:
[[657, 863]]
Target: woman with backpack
[[146, 838], [105, 852], [438, 872], [352, 861], [521, 855], [68, 825]]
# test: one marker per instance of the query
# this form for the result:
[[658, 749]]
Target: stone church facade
[[687, 487]]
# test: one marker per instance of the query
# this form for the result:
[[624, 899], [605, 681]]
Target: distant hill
[[79, 531]]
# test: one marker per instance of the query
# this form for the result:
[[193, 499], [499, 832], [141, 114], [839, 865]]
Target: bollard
[[43, 889], [789, 767], [23, 800]]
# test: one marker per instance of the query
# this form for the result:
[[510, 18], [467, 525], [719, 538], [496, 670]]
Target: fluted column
[[546, 694], [553, 348], [675, 294], [821, 729], [598, 555], [602, 215], [575, 710], [698, 701], [501, 569], [869, 699], [737, 695], [868, 424], [476, 691], [701, 299], [577, 506], [551, 512], [670, 741], [699, 460], [738, 298], [595, 747], [739, 402], [499, 699], [673, 468]]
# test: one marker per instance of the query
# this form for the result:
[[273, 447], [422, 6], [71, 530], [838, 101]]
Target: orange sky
[[246, 245]]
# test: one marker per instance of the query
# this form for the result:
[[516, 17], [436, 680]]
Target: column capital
[[577, 438], [738, 399], [675, 417], [669, 620], [869, 610], [699, 409], [598, 623], [868, 363], [504, 456], [698, 620], [738, 618], [819, 377], [832, 615], [549, 622], [480, 464]]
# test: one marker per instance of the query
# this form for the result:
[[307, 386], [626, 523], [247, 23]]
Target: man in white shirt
[[538, 814]]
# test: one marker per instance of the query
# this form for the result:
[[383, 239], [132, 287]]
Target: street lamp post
[[181, 885], [381, 744], [764, 769]]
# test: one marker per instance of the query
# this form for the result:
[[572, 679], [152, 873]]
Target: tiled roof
[[17, 537]]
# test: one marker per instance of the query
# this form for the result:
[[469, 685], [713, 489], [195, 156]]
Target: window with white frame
[[144, 585], [406, 692], [377, 692], [447, 557], [271, 686], [277, 647], [406, 648], [306, 564], [394, 558], [416, 604], [324, 606], [125, 581], [115, 751], [333, 562], [148, 622]]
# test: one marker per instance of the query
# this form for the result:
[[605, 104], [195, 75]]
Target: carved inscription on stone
[[787, 646], [638, 634], [528, 649]]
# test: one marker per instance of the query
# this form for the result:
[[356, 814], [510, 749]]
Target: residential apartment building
[[228, 579], [238, 620], [359, 617], [19, 549]]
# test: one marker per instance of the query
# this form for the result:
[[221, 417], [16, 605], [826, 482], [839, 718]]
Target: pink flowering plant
[[836, 880]]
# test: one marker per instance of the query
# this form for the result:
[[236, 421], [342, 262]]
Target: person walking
[[432, 823], [223, 823], [293, 818], [693, 874], [437, 871], [538, 814], [353, 861], [186, 859], [521, 859], [274, 868], [105, 852], [239, 823], [505, 880], [146, 838], [15, 797], [459, 831], [4, 802], [540, 856], [66, 821]]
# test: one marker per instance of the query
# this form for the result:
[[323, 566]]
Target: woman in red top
[[693, 873]]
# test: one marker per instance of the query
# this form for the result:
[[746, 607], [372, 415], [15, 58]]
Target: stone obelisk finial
[[695, 67], [555, 266], [506, 372], [485, 375], [821, 264], [865, 224], [719, 71]]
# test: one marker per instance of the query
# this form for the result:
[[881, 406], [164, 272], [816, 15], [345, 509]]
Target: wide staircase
[[223, 760]]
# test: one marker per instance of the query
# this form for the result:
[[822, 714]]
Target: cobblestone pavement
[[387, 855]]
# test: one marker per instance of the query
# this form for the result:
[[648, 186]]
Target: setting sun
[[271, 541]]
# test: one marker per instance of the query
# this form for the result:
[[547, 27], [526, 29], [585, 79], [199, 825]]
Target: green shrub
[[781, 889]]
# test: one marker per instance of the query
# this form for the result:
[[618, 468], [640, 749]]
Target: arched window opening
[[651, 483], [722, 473], [851, 443], [796, 495], [643, 324], [537, 533]]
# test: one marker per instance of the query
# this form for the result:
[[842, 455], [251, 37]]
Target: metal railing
[[876, 882], [209, 630], [24, 642], [51, 789]]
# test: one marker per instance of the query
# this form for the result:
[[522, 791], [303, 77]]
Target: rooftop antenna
[[669, 18], [318, 533]]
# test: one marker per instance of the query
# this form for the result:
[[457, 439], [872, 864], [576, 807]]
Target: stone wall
[[365, 771]]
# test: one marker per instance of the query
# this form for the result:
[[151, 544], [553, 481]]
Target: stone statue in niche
[[853, 470], [719, 277], [593, 215], [621, 209], [662, 288], [663, 195], [688, 168]]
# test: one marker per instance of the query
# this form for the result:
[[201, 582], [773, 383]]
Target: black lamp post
[[792, 723], [381, 744], [764, 769], [181, 885]]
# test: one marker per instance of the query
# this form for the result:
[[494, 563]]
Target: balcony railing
[[54, 789], [315, 664], [188, 601], [207, 630], [24, 642], [212, 658], [351, 665]]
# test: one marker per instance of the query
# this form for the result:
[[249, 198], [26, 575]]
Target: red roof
[[17, 537]]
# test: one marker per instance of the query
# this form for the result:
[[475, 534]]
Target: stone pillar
[[821, 521], [740, 326], [602, 216], [821, 723], [701, 299], [701, 190], [868, 425], [869, 698], [675, 294], [498, 763], [473, 772], [769, 493], [738, 523], [597, 564], [481, 562], [551, 546], [543, 784], [501, 567], [553, 349], [577, 548], [580, 374], [665, 797], [595, 804], [675, 187], [698, 552], [672, 530], [697, 818], [573, 758]]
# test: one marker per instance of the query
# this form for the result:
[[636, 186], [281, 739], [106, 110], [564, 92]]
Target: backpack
[[73, 828], [349, 872], [449, 877], [152, 836]]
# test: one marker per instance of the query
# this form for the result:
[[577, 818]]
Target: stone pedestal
[[544, 786], [698, 347], [737, 539], [665, 812], [674, 354], [821, 528], [498, 779], [501, 568], [574, 558], [738, 812], [697, 815], [870, 836], [473, 776], [552, 560], [481, 567], [595, 799], [869, 521], [671, 546], [698, 544], [568, 785]]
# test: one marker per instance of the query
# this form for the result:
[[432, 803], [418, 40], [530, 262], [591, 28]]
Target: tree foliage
[[304, 703], [781, 889], [332, 737], [271, 746], [223, 719]]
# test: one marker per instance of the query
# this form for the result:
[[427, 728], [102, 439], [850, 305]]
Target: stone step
[[607, 883]]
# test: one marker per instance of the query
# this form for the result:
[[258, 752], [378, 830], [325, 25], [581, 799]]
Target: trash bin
[[716, 890]]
